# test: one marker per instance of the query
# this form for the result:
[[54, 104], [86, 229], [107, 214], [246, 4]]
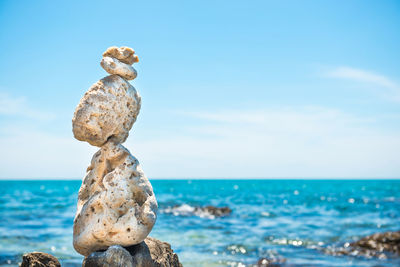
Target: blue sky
[[246, 89]]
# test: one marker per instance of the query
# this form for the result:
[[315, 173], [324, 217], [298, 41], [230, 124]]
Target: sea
[[294, 222]]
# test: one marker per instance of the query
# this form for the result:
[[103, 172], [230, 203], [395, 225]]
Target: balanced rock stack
[[116, 203]]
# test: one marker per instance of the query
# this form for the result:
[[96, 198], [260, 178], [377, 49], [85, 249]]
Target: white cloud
[[362, 76], [19, 106], [304, 142], [369, 78]]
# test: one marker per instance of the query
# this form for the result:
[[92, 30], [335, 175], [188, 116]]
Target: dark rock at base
[[150, 253], [39, 259], [154, 253], [115, 256]]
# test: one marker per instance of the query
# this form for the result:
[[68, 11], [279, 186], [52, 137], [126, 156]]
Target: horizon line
[[208, 178]]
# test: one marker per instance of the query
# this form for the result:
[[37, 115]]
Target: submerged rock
[[149, 253], [380, 242], [204, 212], [215, 211], [39, 259], [266, 262], [379, 245]]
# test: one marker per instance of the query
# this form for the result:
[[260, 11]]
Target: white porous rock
[[123, 54], [107, 111], [114, 66], [116, 203]]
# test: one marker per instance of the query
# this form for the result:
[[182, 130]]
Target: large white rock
[[114, 66], [106, 111], [116, 203]]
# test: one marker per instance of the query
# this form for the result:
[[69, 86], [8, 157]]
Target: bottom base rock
[[150, 253]]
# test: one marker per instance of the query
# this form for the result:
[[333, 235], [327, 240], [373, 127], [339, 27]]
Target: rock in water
[[379, 242], [380, 245], [215, 211], [149, 253], [39, 259], [116, 203], [267, 262]]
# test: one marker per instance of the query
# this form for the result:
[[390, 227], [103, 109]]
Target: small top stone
[[114, 66], [123, 54]]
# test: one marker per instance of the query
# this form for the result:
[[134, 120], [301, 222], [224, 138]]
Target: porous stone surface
[[114, 66], [149, 253], [39, 259], [106, 111], [116, 203], [123, 54]]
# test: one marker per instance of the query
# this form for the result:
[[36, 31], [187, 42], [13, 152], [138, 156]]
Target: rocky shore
[[379, 245], [149, 253], [155, 253]]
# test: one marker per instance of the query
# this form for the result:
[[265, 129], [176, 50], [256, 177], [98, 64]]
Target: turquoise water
[[291, 219]]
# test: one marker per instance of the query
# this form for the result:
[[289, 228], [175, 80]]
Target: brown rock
[[150, 253], [380, 242], [216, 211], [39, 259], [379, 245]]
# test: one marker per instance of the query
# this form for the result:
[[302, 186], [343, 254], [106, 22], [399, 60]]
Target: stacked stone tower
[[116, 203]]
